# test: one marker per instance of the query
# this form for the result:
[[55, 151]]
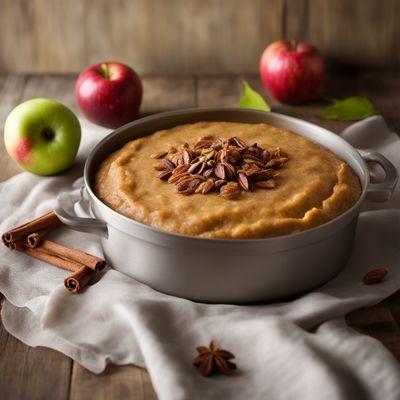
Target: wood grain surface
[[40, 373], [192, 36]]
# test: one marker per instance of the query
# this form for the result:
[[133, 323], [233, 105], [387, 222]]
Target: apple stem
[[293, 44], [105, 71]]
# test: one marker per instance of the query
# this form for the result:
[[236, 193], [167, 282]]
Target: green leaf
[[350, 109], [252, 99]]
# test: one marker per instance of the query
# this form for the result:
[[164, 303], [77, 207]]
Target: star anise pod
[[212, 359]]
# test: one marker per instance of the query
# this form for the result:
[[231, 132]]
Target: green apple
[[42, 136]]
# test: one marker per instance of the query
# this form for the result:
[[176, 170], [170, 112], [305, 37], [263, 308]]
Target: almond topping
[[230, 190], [224, 165], [161, 154]]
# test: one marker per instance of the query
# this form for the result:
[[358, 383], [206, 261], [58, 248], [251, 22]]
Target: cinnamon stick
[[91, 261], [79, 279], [34, 239], [53, 259], [47, 221], [82, 275], [28, 238]]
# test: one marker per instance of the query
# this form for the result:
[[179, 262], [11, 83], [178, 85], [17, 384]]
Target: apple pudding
[[227, 180]]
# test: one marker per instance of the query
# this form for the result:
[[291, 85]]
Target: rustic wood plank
[[217, 92], [153, 36], [31, 373], [192, 36], [181, 37], [164, 94], [16, 36], [59, 36], [296, 14], [359, 34], [11, 90], [127, 382], [60, 88], [42, 35]]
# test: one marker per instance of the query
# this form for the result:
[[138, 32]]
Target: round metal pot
[[228, 270]]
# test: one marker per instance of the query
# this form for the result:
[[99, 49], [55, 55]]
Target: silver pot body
[[229, 271]]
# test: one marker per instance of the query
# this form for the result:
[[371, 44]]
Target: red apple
[[292, 72], [109, 94]]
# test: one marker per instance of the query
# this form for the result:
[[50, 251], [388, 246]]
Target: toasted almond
[[180, 169], [164, 175], [161, 154], [187, 156], [159, 167], [195, 169], [203, 144], [200, 187], [230, 171], [279, 153], [268, 184], [178, 177], [234, 156], [187, 191], [244, 182], [230, 190], [168, 165], [208, 186], [262, 175], [183, 184], [219, 183], [219, 171], [241, 143], [375, 276], [208, 173], [266, 156], [200, 177], [253, 161], [276, 163]]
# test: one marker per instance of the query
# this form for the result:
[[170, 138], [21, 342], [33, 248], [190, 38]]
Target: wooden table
[[40, 373]]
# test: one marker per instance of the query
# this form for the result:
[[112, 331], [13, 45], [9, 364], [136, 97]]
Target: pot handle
[[381, 191], [88, 225]]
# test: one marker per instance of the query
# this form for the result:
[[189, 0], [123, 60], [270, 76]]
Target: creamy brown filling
[[314, 187]]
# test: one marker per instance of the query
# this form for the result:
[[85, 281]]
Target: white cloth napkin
[[295, 350]]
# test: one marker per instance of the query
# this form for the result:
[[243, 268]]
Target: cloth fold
[[300, 349]]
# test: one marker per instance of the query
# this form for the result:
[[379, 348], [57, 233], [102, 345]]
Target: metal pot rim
[[312, 232]]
